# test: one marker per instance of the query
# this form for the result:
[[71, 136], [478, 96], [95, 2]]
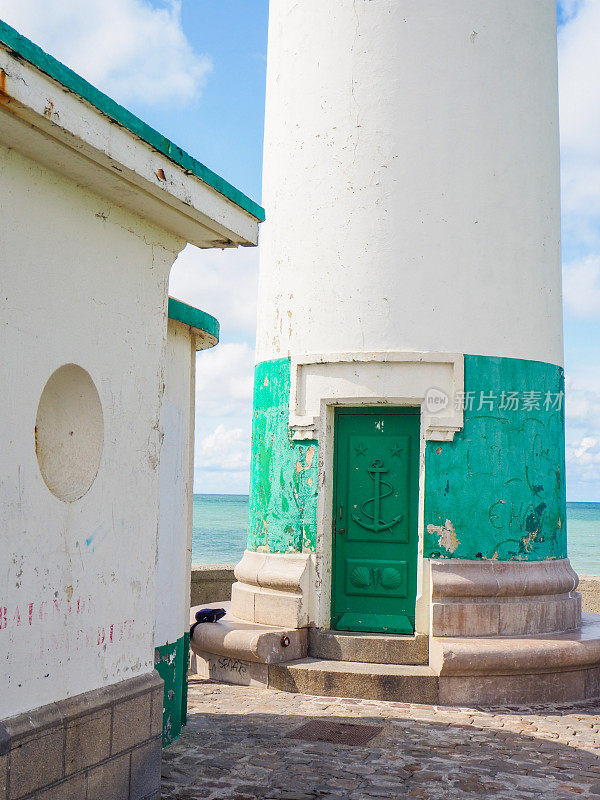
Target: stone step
[[370, 648], [327, 678], [238, 640]]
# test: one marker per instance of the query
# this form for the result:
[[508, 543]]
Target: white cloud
[[583, 408], [569, 8], [583, 468], [224, 450], [222, 282], [583, 435], [585, 452], [130, 49], [579, 79], [581, 287], [224, 379]]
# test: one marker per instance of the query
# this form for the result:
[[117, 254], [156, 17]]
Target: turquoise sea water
[[220, 525], [220, 528], [583, 537]]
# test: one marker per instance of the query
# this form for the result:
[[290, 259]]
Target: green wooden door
[[376, 490]]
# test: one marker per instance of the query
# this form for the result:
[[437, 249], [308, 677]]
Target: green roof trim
[[193, 317], [28, 51]]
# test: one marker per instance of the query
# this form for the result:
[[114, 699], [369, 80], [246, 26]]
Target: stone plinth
[[503, 598]]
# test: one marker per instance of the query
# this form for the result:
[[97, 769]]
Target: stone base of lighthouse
[[490, 633], [455, 587]]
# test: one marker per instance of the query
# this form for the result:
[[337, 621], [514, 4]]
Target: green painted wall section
[[498, 490], [170, 661], [283, 473], [194, 317]]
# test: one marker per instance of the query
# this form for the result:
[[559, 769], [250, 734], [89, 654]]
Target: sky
[[195, 70]]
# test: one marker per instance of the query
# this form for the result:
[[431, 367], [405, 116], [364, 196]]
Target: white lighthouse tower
[[407, 500]]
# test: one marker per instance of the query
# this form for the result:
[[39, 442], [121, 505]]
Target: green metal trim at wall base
[[170, 661]]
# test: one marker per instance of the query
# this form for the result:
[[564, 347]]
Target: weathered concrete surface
[[211, 583], [589, 589], [370, 648], [235, 639], [234, 749]]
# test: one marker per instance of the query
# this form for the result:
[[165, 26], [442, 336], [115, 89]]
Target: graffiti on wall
[[498, 490]]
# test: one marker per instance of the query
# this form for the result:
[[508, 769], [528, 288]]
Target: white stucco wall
[[176, 486], [82, 282], [411, 179]]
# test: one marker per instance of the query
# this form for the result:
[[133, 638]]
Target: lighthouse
[[407, 527]]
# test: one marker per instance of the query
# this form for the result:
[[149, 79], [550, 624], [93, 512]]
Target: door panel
[[375, 519], [376, 578]]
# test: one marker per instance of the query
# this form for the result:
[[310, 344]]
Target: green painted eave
[[194, 317], [28, 51]]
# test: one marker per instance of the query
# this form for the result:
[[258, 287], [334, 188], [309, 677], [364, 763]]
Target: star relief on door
[[396, 450]]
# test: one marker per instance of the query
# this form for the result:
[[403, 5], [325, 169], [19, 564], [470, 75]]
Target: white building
[[95, 208], [189, 330]]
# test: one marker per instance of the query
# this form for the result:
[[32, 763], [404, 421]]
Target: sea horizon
[[221, 525]]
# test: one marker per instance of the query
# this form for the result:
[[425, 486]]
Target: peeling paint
[[501, 481], [283, 473], [446, 534], [170, 661]]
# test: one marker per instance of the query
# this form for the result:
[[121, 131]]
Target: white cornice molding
[[377, 378]]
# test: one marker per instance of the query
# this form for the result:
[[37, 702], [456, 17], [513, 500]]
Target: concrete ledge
[[211, 583], [375, 648], [525, 689], [327, 678], [509, 598], [476, 671], [519, 655], [100, 745], [409, 684], [273, 570], [237, 639]]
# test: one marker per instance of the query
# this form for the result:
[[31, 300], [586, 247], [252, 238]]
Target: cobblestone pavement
[[234, 749]]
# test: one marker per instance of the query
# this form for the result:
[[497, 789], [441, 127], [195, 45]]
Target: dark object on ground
[[207, 615]]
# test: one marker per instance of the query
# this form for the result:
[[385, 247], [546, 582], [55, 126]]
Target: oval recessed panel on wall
[[69, 432]]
